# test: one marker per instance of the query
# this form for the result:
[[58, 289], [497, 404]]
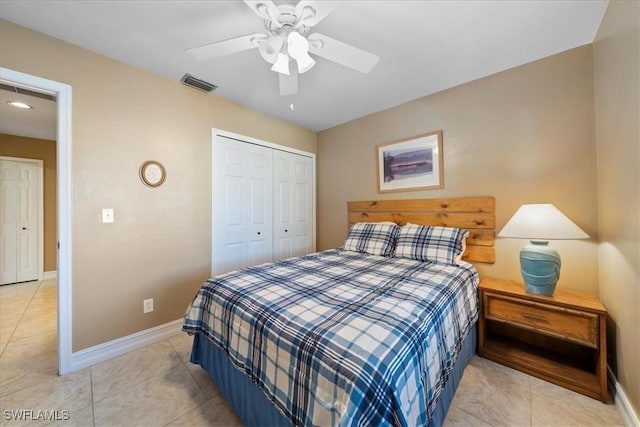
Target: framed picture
[[410, 164]]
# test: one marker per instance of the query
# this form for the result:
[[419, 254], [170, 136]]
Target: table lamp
[[539, 262]]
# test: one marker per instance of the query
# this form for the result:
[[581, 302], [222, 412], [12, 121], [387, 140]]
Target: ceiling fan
[[287, 38]]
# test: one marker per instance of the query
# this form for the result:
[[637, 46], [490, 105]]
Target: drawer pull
[[534, 317]]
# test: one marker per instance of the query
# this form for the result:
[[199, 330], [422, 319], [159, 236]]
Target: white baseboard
[[50, 275], [101, 352], [623, 405]]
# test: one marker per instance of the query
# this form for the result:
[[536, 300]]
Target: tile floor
[[157, 386]]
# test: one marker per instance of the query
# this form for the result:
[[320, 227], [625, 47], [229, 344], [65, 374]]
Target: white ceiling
[[424, 46], [38, 122]]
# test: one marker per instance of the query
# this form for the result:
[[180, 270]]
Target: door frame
[[40, 179], [62, 92]]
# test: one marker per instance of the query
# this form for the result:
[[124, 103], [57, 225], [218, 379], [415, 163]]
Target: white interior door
[[293, 204], [242, 205], [19, 187]]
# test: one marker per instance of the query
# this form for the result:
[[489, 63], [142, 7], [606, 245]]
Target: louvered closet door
[[242, 205], [293, 204]]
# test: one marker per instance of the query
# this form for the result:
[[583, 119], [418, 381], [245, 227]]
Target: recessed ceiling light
[[19, 104], [291, 107]]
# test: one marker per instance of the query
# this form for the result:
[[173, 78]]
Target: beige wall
[[45, 150], [616, 69], [525, 135], [159, 246]]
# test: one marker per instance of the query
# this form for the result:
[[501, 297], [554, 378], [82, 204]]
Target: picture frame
[[410, 164]]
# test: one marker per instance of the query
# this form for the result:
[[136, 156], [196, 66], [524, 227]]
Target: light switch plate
[[107, 215]]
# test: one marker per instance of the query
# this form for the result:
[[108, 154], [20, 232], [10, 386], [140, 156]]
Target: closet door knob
[[258, 233], [285, 230]]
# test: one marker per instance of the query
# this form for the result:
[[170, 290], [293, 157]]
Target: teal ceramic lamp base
[[540, 267]]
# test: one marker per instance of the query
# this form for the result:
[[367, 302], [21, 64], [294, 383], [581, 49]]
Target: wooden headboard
[[476, 214]]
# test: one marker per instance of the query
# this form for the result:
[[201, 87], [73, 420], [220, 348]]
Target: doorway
[[62, 92], [21, 220]]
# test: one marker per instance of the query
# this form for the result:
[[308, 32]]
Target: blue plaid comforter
[[342, 338]]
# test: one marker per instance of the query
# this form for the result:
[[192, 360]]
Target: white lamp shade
[[305, 63], [541, 222], [282, 64], [298, 48], [269, 48], [296, 44]]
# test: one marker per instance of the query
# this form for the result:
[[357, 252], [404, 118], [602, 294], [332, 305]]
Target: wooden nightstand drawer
[[560, 322]]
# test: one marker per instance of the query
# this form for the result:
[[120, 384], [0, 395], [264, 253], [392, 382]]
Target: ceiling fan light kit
[[270, 48], [287, 27], [286, 40], [298, 48], [282, 64]]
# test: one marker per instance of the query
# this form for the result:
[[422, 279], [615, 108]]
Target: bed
[[377, 332]]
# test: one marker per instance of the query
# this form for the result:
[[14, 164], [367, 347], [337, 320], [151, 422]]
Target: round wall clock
[[152, 173]]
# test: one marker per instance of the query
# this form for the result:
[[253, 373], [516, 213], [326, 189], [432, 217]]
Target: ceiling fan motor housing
[[288, 21]]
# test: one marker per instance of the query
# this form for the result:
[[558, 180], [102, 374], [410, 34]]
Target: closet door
[[242, 205], [19, 208], [293, 204]]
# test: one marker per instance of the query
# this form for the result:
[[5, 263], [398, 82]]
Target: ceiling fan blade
[[342, 53], [226, 47], [314, 11], [265, 9], [289, 84]]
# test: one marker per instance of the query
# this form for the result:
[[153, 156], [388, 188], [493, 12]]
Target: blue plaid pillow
[[444, 245], [374, 238]]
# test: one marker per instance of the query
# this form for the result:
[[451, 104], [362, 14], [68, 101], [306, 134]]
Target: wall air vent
[[196, 83]]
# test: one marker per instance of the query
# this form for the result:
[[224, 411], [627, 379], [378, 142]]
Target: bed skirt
[[254, 408]]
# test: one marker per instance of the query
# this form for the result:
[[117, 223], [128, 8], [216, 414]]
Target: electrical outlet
[[147, 305]]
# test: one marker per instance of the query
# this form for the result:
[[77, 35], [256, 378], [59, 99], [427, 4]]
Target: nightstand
[[560, 339]]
